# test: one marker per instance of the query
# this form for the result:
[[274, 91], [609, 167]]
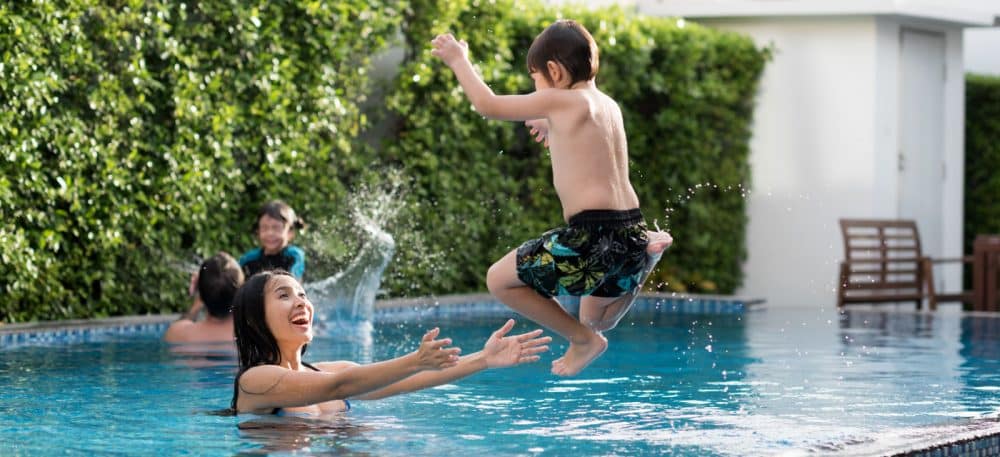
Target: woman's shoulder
[[261, 377], [333, 367]]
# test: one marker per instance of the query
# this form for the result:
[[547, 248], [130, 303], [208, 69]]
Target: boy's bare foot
[[578, 356], [658, 242]]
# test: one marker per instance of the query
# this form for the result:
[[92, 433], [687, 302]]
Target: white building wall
[[814, 157], [886, 106], [982, 50], [887, 117], [954, 156], [827, 126], [826, 145]]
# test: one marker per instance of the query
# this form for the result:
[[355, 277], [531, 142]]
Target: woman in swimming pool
[[273, 325]]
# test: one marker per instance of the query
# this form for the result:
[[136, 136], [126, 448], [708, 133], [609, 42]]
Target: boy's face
[[554, 75], [273, 234], [541, 82]]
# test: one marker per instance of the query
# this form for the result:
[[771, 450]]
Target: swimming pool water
[[765, 382]]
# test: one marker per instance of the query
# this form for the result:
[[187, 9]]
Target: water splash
[[682, 199], [351, 251], [349, 295]]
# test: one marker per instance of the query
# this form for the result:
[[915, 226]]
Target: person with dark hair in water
[[214, 285], [273, 320], [275, 228]]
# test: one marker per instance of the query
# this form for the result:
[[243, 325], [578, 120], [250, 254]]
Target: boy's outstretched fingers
[[539, 130]]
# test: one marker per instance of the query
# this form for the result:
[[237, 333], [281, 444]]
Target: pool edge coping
[[391, 304]]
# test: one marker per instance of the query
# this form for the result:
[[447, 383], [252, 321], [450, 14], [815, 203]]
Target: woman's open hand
[[433, 355], [505, 351]]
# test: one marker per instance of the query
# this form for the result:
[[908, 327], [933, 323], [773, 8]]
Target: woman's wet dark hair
[[255, 343], [279, 210], [568, 43]]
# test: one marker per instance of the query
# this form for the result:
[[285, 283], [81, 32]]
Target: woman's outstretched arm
[[500, 351], [272, 386]]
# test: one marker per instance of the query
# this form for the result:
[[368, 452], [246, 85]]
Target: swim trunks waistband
[[611, 217]]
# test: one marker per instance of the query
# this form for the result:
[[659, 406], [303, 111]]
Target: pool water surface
[[779, 381]]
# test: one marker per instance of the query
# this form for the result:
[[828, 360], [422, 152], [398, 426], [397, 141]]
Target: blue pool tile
[[474, 307]]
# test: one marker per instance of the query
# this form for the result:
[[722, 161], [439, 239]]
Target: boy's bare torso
[[590, 154]]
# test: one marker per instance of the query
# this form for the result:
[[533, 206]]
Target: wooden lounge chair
[[986, 273], [884, 264]]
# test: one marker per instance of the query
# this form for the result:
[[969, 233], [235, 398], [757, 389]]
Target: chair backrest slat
[[883, 260]]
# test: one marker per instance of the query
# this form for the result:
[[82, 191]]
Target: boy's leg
[[585, 344], [602, 313]]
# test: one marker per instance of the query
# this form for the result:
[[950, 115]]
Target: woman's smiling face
[[288, 312]]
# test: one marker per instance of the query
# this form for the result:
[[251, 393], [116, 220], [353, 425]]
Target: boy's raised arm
[[536, 105]]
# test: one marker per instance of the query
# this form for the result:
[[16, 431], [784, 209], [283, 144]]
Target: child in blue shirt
[[275, 229]]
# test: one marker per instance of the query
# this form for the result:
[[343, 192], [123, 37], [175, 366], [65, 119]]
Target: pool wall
[[386, 311]]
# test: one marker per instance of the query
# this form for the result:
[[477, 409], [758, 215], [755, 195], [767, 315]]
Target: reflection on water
[[334, 435], [980, 368], [979, 337], [203, 355], [818, 379]]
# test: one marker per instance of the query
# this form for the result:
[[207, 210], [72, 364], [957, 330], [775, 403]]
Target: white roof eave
[[952, 12]]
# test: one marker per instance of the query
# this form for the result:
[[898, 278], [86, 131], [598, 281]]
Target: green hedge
[[137, 134], [982, 156], [483, 186]]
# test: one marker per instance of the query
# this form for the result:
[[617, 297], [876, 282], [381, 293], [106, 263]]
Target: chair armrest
[[966, 259], [893, 260]]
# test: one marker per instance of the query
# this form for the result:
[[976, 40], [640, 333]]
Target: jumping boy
[[605, 252]]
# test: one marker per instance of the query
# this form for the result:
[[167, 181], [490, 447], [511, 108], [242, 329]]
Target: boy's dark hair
[[218, 279], [279, 210], [568, 43]]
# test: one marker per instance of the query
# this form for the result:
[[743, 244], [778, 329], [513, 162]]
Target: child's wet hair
[[277, 209], [568, 43]]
